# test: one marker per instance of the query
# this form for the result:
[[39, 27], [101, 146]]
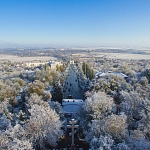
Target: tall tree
[[57, 94]]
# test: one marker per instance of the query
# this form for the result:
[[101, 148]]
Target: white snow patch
[[72, 105]]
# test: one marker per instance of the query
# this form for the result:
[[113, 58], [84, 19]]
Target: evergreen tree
[[147, 74], [57, 94], [57, 68], [87, 70], [83, 67], [91, 74]]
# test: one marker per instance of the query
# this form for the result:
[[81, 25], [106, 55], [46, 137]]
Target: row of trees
[[60, 68], [88, 71]]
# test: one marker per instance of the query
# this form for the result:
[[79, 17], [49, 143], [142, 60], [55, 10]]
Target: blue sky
[[75, 23]]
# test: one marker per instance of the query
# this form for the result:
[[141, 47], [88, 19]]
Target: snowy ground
[[72, 105], [21, 59], [122, 55]]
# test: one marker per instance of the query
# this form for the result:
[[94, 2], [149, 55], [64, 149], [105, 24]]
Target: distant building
[[103, 75], [71, 61], [76, 55], [53, 64], [34, 64]]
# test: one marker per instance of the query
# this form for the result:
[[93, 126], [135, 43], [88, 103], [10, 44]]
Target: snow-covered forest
[[28, 117], [115, 114]]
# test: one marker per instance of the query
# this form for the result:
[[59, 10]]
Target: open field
[[107, 55], [22, 59], [128, 56], [122, 55], [147, 51]]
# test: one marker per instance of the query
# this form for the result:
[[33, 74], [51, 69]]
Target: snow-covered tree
[[116, 126], [20, 81], [57, 94], [16, 138], [113, 83], [96, 137], [101, 143], [125, 68], [146, 73], [57, 107], [130, 103], [36, 99], [137, 141], [144, 81], [35, 87], [3, 107], [21, 117], [121, 146], [98, 105], [13, 137], [19, 145], [4, 123], [43, 126], [3, 141], [95, 109]]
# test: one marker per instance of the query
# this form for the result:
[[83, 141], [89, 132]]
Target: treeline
[[88, 71]]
